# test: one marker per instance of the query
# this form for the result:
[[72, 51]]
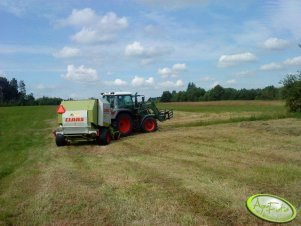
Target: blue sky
[[81, 48]]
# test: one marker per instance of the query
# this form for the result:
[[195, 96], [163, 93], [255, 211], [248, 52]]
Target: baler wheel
[[104, 136], [60, 140]]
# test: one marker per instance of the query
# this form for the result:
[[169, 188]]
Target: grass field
[[198, 169]]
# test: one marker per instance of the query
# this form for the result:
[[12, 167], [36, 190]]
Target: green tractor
[[129, 114]]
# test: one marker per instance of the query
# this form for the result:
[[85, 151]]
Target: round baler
[[84, 120]]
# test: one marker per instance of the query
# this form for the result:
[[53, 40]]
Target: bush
[[291, 91]]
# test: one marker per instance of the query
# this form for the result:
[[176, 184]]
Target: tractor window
[[124, 101], [110, 99]]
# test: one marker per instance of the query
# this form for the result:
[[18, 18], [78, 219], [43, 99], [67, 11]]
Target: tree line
[[194, 93], [290, 92], [14, 93]]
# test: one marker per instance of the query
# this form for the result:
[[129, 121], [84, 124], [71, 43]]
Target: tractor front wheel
[[124, 124], [104, 136], [149, 124]]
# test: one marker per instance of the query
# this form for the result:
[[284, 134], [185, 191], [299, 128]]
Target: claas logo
[[75, 119]]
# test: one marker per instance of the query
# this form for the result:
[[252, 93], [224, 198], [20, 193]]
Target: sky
[[78, 49]]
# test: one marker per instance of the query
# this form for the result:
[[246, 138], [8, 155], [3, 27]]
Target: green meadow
[[199, 168]]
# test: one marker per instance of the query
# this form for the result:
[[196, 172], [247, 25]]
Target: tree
[[216, 93], [230, 94], [8, 91], [268, 93], [174, 96], [292, 91], [22, 90], [54, 101], [194, 93], [166, 96], [190, 86], [30, 100], [14, 83], [14, 94]]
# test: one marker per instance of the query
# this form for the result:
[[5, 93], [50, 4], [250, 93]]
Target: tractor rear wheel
[[124, 124], [149, 124], [60, 140], [104, 136]]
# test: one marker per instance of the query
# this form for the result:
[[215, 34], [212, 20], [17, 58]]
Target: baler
[[84, 120]]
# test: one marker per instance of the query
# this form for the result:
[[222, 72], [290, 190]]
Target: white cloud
[[134, 49], [169, 84], [94, 28], [112, 22], [231, 82], [178, 67], [165, 72], [67, 52], [140, 81], [245, 73], [207, 79], [174, 71], [79, 18], [146, 54], [275, 44], [296, 61], [80, 74], [116, 82], [271, 67], [119, 82], [232, 60], [147, 61], [179, 83], [90, 35]]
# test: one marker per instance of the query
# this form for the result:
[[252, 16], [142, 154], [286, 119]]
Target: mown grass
[[191, 114], [196, 175], [227, 106]]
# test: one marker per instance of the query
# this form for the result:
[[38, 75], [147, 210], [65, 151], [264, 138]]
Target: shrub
[[292, 91]]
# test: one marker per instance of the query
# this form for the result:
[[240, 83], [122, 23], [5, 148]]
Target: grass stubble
[[194, 175]]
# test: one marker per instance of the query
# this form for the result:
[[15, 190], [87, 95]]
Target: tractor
[[127, 114], [115, 114]]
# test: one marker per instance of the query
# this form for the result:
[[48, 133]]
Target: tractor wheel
[[104, 136], [124, 124], [60, 140], [149, 124]]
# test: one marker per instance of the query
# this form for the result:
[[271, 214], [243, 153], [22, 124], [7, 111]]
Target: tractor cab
[[119, 100]]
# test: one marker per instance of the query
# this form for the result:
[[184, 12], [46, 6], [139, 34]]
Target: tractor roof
[[116, 93]]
